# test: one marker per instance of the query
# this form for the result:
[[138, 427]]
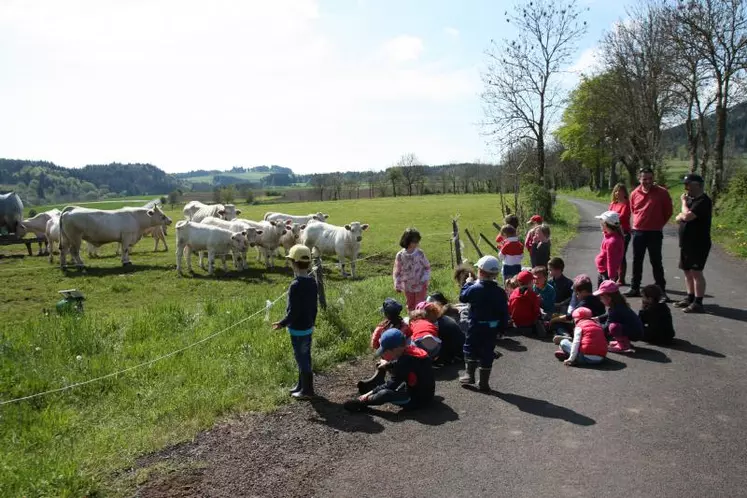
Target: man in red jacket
[[651, 207]]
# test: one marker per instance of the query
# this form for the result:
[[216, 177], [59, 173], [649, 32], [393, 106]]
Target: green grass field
[[75, 443]]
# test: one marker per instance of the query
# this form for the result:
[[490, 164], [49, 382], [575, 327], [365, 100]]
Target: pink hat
[[421, 305], [606, 287], [581, 313]]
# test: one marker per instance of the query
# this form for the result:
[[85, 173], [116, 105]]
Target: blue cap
[[391, 307], [390, 339]]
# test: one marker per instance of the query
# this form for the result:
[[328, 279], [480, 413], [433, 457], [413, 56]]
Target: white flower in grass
[[79, 357]]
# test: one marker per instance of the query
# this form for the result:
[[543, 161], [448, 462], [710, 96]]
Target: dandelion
[[79, 357]]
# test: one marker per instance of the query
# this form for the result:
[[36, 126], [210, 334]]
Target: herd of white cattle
[[215, 230]]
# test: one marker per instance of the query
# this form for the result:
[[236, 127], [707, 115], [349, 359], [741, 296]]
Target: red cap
[[535, 219], [525, 278]]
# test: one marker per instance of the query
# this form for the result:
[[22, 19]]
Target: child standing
[[563, 285], [589, 344], [620, 203], [621, 324], [412, 271], [510, 219], [655, 316], [545, 291], [488, 315], [529, 240], [300, 318], [540, 253], [611, 252], [510, 252], [525, 305]]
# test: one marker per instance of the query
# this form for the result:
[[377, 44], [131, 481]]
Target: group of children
[[539, 300]]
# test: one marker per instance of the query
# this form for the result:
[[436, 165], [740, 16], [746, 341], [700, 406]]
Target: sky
[[314, 85]]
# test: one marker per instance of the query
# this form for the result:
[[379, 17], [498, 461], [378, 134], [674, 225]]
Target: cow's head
[[230, 212], [158, 216], [20, 230], [320, 216], [252, 236], [238, 241], [356, 229]]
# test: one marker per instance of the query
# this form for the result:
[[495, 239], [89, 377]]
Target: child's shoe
[[561, 355]]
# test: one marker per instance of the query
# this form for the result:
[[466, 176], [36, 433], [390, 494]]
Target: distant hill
[[257, 176], [674, 138], [42, 182]]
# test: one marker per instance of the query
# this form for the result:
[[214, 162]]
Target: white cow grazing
[[344, 241], [269, 241], [197, 211], [38, 225], [157, 232], [191, 236], [98, 226], [301, 220], [252, 237], [291, 237]]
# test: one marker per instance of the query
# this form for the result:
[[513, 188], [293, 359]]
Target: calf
[[344, 241], [38, 225], [192, 236], [269, 241], [301, 220], [291, 237], [252, 237], [197, 211]]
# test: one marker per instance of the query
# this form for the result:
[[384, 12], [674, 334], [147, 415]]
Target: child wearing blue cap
[[412, 384], [488, 316]]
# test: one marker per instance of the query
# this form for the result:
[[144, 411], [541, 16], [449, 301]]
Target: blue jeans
[[566, 345], [302, 352]]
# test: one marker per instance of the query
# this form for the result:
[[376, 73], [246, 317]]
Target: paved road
[[663, 422]]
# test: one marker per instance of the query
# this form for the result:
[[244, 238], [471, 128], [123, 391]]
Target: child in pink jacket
[[612, 250], [412, 271]]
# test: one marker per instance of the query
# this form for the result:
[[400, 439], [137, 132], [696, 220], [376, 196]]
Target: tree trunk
[[718, 163], [692, 142], [613, 175], [541, 158], [705, 143]]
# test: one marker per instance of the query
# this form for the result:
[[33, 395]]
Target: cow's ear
[[326, 216], [288, 222], [222, 212], [151, 212], [273, 223], [364, 226], [347, 227], [259, 232], [238, 212], [303, 227], [243, 233]]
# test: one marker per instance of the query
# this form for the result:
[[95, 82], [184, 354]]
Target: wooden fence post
[[457, 248], [474, 244], [489, 243], [319, 274]]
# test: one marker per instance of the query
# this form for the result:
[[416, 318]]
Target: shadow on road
[[334, 416], [436, 413], [511, 345], [726, 312], [683, 293], [650, 355], [609, 364], [543, 408], [688, 347]]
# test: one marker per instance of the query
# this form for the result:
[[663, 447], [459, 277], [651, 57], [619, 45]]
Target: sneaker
[[633, 293], [614, 347], [665, 298], [683, 304], [561, 355], [694, 308]]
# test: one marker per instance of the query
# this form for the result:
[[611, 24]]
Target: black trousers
[[650, 241], [624, 264]]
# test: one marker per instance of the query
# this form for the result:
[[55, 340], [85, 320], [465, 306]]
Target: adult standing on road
[[695, 241], [621, 205], [651, 207]]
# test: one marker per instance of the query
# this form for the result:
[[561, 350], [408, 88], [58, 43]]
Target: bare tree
[[717, 30], [522, 90], [411, 169]]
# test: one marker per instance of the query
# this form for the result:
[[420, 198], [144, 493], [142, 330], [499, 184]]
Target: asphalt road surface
[[664, 422]]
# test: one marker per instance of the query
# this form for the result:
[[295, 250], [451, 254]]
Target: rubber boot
[[307, 387], [378, 378], [469, 375], [483, 384], [297, 387]]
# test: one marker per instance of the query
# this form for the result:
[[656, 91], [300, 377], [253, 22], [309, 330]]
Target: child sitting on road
[[424, 329], [621, 324], [511, 252], [545, 291], [611, 252], [488, 316], [589, 344], [525, 306], [412, 384], [412, 271], [655, 316], [582, 298], [452, 323], [512, 220], [540, 254], [563, 285]]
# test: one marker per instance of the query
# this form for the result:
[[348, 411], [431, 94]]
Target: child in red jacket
[[611, 252], [589, 344], [524, 306], [424, 328]]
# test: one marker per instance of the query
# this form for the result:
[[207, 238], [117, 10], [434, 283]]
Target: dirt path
[[664, 422]]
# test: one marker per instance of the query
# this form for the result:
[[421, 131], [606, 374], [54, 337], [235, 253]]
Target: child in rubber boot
[[488, 314], [621, 324], [392, 319], [300, 319], [412, 384]]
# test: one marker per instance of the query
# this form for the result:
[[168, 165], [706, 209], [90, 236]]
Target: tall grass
[[74, 443]]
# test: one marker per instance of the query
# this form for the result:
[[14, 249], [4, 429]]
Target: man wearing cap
[[488, 316], [695, 241], [412, 384], [651, 207]]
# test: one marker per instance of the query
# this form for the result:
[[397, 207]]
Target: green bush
[[537, 200]]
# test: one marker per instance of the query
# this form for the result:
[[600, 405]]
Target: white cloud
[[452, 32], [587, 62], [403, 48]]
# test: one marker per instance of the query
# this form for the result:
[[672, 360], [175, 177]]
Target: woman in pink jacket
[[412, 271], [613, 247]]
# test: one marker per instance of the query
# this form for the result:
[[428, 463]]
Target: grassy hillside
[[73, 443]]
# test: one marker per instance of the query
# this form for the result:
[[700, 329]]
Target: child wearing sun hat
[[611, 252]]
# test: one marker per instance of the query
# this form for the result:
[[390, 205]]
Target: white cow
[[197, 211], [191, 236], [291, 237], [52, 232], [252, 237], [38, 225], [344, 241], [158, 233], [269, 241], [98, 226], [301, 220]]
